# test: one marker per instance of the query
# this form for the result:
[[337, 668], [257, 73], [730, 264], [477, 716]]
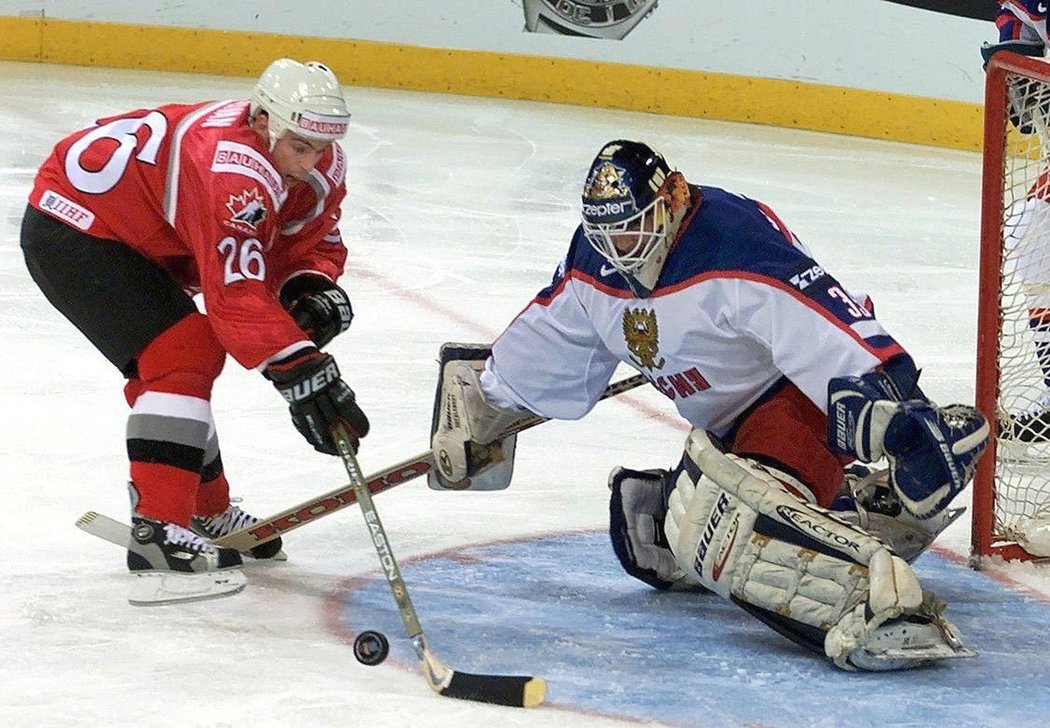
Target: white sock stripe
[[173, 405]]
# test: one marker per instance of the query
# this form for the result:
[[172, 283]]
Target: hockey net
[[1011, 500]]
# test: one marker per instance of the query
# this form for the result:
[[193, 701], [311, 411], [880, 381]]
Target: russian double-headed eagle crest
[[643, 337]]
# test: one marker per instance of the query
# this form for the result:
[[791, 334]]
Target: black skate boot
[[234, 519], [1031, 426], [170, 563]]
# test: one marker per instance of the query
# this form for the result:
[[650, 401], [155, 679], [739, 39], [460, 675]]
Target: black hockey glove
[[320, 308], [318, 399]]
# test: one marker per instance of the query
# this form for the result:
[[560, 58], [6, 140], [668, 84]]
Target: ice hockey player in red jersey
[[237, 200], [785, 378]]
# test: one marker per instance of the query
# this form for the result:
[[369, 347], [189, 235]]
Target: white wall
[[867, 44]]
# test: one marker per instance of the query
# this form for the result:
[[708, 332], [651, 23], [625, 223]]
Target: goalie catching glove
[[466, 429], [932, 451], [318, 399]]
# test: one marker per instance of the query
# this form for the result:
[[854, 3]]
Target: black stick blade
[[517, 691]]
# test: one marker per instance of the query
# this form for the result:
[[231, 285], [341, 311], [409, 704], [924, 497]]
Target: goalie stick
[[521, 691], [268, 529]]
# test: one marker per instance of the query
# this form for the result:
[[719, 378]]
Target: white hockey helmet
[[305, 98]]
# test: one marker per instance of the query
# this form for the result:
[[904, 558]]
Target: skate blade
[[937, 652], [905, 659], [155, 588]]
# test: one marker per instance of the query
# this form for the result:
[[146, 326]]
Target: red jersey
[[193, 188]]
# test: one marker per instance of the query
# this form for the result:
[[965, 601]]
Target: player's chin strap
[[821, 582]]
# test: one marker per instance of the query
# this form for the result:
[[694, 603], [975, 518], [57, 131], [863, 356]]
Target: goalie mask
[[304, 98], [626, 216]]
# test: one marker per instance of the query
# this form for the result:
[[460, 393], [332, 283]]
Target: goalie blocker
[[465, 429], [732, 527]]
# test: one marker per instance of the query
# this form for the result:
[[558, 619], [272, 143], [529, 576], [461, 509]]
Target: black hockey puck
[[371, 647]]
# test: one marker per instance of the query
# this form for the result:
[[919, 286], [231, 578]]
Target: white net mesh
[[1022, 468]]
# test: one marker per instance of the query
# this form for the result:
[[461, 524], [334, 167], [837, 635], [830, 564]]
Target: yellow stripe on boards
[[723, 97]]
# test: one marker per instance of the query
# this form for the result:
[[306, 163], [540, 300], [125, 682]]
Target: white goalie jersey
[[739, 306]]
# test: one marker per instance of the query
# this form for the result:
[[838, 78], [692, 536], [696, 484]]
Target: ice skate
[[170, 564], [1031, 425], [234, 519]]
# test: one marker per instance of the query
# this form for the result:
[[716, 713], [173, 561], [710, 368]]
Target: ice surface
[[458, 212]]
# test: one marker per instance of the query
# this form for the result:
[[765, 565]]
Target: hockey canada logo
[[642, 335], [610, 19], [246, 210]]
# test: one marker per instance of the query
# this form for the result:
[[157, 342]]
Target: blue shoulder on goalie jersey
[[729, 236]]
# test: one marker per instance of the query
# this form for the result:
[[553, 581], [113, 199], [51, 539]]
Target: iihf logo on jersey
[[610, 19], [643, 337], [246, 210]]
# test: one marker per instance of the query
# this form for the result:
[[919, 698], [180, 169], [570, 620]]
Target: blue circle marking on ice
[[560, 607]]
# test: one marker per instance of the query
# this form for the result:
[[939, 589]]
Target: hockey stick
[[520, 691], [292, 518], [105, 528], [334, 500]]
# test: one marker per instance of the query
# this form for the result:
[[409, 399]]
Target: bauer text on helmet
[[304, 98]]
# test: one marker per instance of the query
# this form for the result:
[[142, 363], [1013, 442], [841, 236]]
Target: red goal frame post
[[1000, 142]]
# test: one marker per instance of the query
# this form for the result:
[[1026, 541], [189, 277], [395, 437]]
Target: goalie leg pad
[[742, 535], [795, 566], [465, 428], [900, 627]]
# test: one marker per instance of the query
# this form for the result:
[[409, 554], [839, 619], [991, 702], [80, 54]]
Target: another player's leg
[[1032, 424], [1026, 232], [217, 515]]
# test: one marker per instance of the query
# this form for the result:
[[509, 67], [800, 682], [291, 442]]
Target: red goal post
[[1012, 483]]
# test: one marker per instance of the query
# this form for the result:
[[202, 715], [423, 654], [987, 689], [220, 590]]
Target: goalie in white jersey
[[713, 299]]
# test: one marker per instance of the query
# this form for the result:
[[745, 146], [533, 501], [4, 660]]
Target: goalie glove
[[637, 509], [932, 451], [319, 307], [466, 428]]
